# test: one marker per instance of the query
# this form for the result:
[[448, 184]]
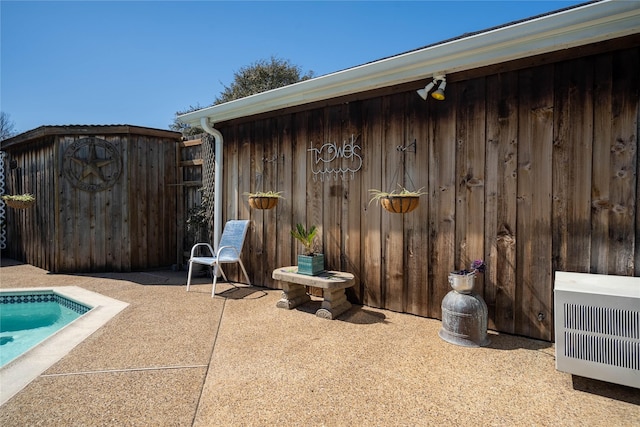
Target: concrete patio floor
[[180, 359]]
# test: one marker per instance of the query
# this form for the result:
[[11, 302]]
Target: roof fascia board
[[81, 130], [570, 28]]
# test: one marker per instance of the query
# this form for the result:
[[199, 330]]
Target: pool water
[[28, 319]]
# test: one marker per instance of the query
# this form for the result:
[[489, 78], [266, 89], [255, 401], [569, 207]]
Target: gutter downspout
[[217, 178]]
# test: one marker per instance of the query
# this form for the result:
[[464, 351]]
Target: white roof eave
[[583, 25]]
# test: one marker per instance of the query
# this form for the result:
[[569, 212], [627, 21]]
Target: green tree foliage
[[261, 76]]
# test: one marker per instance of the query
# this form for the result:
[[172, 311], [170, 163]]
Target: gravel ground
[[173, 358]]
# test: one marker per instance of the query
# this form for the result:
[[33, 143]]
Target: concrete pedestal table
[[332, 283]]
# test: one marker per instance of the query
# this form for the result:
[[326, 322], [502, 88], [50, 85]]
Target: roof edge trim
[[590, 23]]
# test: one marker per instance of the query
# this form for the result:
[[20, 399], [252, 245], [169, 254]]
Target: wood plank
[[229, 188], [154, 203], [314, 188], [180, 211], [246, 182], [98, 235], [169, 175], [245, 179], [190, 143], [394, 177], [442, 190], [192, 162], [57, 207], [121, 214], [257, 154], [470, 168], [141, 232], [501, 199], [332, 190], [284, 183], [535, 288], [30, 187], [231, 182], [601, 175], [270, 166], [370, 236], [572, 160], [66, 259], [297, 196], [82, 229], [354, 200], [624, 152], [416, 223]]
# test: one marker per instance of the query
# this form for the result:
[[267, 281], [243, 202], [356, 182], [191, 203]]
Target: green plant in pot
[[309, 263]]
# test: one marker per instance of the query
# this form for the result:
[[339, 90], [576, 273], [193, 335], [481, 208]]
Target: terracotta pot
[[258, 202], [400, 204]]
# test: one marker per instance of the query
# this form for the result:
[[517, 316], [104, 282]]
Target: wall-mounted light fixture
[[438, 93], [425, 92]]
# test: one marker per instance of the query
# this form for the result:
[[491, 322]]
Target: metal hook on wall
[[410, 147], [402, 165], [272, 159]]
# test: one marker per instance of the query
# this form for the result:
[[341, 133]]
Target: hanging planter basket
[[400, 204], [23, 201], [264, 199], [400, 200], [263, 202]]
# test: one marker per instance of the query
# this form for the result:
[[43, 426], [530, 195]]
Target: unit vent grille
[[602, 320], [602, 335]]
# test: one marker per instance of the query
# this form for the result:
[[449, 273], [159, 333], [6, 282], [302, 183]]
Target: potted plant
[[309, 263], [20, 201], [264, 199], [462, 280], [403, 201]]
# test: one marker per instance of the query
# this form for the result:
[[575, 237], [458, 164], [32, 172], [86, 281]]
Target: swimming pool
[[28, 318], [19, 372]]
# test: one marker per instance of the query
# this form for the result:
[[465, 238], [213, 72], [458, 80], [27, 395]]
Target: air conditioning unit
[[597, 326]]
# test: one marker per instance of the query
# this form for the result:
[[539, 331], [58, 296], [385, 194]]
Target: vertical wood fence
[[104, 199], [533, 170]]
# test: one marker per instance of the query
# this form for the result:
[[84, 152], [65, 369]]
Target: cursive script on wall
[[337, 161]]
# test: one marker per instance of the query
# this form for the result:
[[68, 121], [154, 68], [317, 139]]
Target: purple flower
[[478, 265]]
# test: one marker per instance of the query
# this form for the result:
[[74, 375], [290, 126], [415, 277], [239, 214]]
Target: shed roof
[[43, 131], [567, 28]]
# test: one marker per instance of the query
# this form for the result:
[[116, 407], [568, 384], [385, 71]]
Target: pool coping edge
[[17, 374]]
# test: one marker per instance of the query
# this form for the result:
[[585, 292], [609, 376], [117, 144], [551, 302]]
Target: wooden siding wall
[[532, 170], [129, 226]]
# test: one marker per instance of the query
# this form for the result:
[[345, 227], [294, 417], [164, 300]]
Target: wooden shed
[[104, 197], [530, 163]]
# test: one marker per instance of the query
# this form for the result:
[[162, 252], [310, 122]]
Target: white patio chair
[[229, 251]]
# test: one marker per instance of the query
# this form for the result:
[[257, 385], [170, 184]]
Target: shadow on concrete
[[356, 314], [514, 342], [605, 389]]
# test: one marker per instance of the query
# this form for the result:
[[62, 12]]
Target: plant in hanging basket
[[264, 199], [403, 201], [20, 201]]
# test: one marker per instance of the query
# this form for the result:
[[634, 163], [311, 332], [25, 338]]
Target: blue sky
[[137, 63]]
